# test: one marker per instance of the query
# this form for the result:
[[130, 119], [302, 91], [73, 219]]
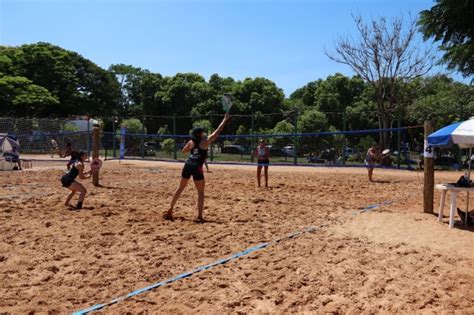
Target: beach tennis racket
[[226, 102], [96, 164]]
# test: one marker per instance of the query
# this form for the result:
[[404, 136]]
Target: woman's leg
[[371, 170], [169, 214], [266, 176], [75, 186], [69, 197], [200, 185], [259, 172]]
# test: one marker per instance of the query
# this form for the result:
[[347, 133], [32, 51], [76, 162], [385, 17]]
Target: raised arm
[[216, 132]]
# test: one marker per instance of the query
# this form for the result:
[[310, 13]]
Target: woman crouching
[[69, 180]]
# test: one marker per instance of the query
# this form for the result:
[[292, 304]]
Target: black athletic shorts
[[66, 181], [194, 170], [264, 162]]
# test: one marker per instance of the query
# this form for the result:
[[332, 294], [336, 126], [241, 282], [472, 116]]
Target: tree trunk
[[387, 121], [380, 127]]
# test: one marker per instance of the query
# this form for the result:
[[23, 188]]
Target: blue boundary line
[[220, 262]]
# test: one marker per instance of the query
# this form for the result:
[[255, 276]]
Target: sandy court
[[390, 260]]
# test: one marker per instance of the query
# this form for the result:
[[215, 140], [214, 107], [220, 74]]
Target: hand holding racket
[[226, 102], [96, 164]]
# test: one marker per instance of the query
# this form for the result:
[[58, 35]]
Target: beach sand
[[393, 259]]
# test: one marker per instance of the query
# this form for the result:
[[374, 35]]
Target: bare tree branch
[[385, 55]]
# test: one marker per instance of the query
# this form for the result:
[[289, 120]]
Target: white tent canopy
[[8, 142], [464, 134]]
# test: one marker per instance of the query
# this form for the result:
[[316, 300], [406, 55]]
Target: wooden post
[[428, 185], [95, 153], [252, 139]]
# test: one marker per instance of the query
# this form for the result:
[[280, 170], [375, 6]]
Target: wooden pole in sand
[[428, 187], [95, 153]]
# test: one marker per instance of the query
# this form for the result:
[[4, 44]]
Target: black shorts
[[67, 181], [194, 170], [265, 162]]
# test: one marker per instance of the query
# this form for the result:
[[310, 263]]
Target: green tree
[[442, 100], [164, 130], [312, 121], [70, 127], [242, 130], [204, 123], [307, 93], [130, 81], [335, 94], [281, 127], [133, 125], [168, 146], [362, 113], [450, 22], [80, 86], [20, 97]]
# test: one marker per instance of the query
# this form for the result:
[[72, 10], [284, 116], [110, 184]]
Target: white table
[[454, 193]]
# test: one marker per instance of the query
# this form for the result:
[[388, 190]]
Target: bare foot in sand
[[200, 220], [168, 215]]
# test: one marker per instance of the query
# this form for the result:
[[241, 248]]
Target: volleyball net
[[332, 148], [46, 136], [162, 139]]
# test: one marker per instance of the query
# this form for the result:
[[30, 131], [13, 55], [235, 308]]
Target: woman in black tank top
[[197, 147], [69, 179]]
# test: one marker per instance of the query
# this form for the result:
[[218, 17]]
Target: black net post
[[295, 153], [252, 131], [212, 144], [142, 140], [88, 137], [344, 141], [398, 143], [113, 137], [175, 149]]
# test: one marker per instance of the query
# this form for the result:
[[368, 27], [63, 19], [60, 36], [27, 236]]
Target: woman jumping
[[69, 180], [263, 154], [198, 146]]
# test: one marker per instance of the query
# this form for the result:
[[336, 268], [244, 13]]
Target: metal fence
[[142, 140], [343, 148]]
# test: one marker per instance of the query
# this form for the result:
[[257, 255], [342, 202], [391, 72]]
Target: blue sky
[[283, 40]]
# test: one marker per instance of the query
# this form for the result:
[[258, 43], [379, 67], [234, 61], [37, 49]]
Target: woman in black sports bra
[[263, 160], [69, 179], [197, 147]]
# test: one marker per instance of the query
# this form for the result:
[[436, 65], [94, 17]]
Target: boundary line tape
[[222, 261]]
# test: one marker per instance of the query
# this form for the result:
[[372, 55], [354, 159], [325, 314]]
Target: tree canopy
[[43, 80], [386, 56], [451, 22], [78, 85]]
